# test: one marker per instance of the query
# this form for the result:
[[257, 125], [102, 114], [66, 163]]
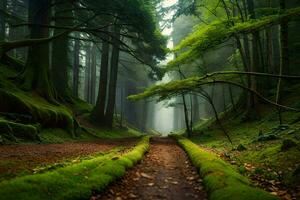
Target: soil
[[164, 173], [15, 159]]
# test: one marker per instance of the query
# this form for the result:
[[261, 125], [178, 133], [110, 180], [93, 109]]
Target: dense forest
[[150, 99]]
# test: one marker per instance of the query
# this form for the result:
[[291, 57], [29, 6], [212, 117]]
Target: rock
[[241, 147], [287, 144]]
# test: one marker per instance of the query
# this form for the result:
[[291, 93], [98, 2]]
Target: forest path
[[164, 173], [15, 159]]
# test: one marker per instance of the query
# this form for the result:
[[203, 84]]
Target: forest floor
[[24, 159], [263, 150], [164, 173]]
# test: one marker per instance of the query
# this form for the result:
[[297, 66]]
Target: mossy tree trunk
[[60, 49], [98, 112], [36, 75], [109, 113], [3, 4]]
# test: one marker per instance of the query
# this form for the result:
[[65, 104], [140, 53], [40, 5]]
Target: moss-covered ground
[[262, 149], [221, 180], [75, 181]]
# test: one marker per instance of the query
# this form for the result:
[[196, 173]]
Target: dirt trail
[[18, 158], [164, 173]]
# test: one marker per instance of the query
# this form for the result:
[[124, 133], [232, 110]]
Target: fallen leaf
[[146, 175]]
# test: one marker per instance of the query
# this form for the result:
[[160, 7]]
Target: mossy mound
[[221, 180], [15, 101], [76, 181], [12, 130]]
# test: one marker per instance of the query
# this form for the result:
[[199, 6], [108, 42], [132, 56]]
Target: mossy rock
[[12, 130], [287, 144]]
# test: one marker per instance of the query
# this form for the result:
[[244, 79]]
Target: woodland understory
[[150, 99]]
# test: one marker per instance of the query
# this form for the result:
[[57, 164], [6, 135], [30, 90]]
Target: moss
[[12, 130], [75, 181], [221, 180]]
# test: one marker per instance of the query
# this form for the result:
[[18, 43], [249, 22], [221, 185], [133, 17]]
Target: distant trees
[[248, 29], [67, 41]]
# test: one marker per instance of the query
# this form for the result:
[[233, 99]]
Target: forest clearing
[[150, 99]]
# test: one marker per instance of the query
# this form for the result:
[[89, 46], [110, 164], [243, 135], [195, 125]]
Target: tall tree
[[114, 66], [3, 5], [36, 75], [93, 74], [284, 56], [98, 112], [76, 65], [60, 48]]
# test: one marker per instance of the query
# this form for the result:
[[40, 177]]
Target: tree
[[3, 4], [60, 53], [36, 75], [114, 66], [76, 65], [98, 112]]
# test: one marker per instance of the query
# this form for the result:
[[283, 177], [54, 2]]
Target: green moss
[[221, 180], [14, 100], [75, 181], [12, 130]]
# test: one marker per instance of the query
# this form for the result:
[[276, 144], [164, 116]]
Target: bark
[[76, 67], [270, 50], [231, 98], [93, 74], [186, 117], [113, 77], [36, 74], [284, 57], [3, 4], [98, 112], [255, 64], [87, 76], [196, 115], [60, 57]]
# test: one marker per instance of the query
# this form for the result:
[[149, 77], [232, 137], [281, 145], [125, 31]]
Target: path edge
[[76, 181], [221, 180]]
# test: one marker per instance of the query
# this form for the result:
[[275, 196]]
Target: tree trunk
[[284, 56], [3, 4], [93, 74], [60, 58], [113, 77], [186, 117], [87, 77], [196, 115], [36, 74], [98, 112], [76, 67]]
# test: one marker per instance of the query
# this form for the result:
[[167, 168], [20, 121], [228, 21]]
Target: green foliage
[[75, 181], [176, 87], [221, 179], [210, 36]]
